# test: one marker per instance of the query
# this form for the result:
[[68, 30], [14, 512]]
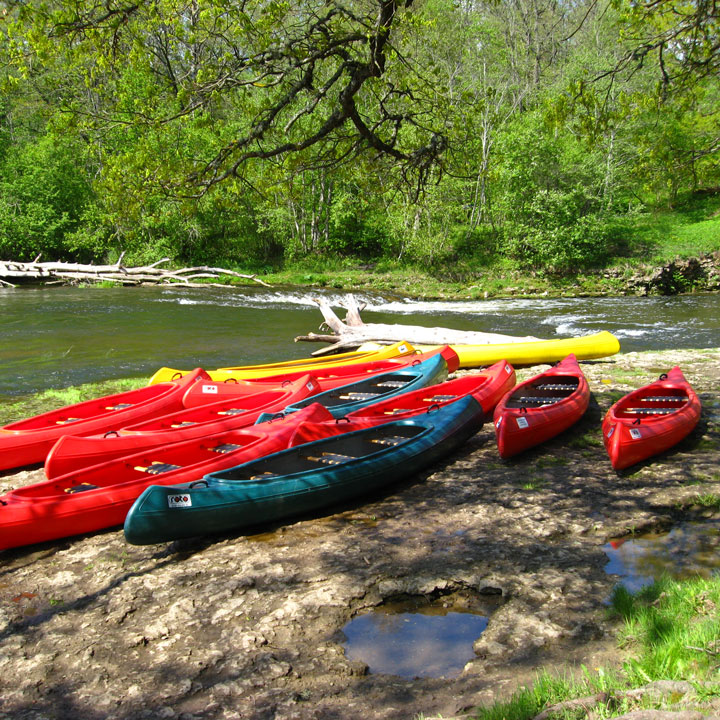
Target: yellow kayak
[[248, 372], [534, 352]]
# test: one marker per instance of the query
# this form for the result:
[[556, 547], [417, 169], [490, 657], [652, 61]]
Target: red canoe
[[100, 496], [540, 408], [650, 420], [73, 452], [329, 378], [28, 441], [487, 387]]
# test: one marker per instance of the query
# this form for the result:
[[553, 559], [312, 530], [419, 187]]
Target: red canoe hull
[[26, 442], [328, 378], [71, 453], [533, 413], [650, 420]]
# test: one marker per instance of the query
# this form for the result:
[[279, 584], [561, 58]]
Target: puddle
[[417, 638], [687, 550]]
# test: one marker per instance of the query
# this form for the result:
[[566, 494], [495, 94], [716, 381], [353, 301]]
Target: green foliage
[[466, 148], [43, 190]]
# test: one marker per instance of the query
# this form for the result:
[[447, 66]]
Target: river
[[57, 337]]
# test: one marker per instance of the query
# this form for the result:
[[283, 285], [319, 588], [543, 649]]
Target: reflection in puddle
[[404, 639], [687, 550]]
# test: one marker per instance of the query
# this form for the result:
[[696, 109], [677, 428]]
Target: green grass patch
[[707, 500], [669, 630], [673, 627]]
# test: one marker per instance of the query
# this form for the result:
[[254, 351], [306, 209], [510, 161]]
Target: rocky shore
[[249, 626]]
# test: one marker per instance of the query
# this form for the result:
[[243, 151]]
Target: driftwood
[[353, 332], [61, 272]]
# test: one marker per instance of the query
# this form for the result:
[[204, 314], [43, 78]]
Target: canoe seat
[[184, 423], [390, 440], [537, 400], [557, 386], [359, 396], [65, 421], [331, 458], [119, 406], [225, 448], [392, 383], [155, 468], [232, 411], [670, 398], [82, 487], [650, 411]]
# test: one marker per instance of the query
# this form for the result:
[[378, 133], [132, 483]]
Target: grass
[[669, 631]]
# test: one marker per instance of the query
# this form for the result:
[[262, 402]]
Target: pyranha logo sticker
[[179, 501], [210, 389]]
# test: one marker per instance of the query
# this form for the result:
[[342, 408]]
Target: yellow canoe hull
[[534, 352], [248, 372]]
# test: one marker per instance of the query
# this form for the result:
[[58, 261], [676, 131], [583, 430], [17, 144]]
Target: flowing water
[[56, 337]]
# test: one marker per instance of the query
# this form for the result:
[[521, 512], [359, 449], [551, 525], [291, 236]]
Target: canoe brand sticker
[[522, 422], [499, 420], [635, 434], [610, 431], [210, 389], [508, 369], [179, 501], [403, 348], [310, 385]]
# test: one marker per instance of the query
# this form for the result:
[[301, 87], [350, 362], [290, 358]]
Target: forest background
[[469, 136]]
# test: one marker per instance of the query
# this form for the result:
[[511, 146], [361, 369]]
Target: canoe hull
[[328, 378], [533, 352], [26, 442], [231, 501], [522, 421], [355, 396], [250, 372], [73, 452], [631, 436]]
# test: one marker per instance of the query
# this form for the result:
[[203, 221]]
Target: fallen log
[[118, 273], [353, 332]]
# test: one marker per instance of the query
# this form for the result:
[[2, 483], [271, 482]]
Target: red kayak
[[100, 496], [73, 452], [650, 420], [540, 408], [28, 441], [487, 387], [328, 378]]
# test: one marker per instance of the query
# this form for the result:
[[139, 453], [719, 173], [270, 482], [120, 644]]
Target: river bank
[[675, 276], [249, 625]]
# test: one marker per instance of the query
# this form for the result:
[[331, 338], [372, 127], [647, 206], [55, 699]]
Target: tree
[[275, 79]]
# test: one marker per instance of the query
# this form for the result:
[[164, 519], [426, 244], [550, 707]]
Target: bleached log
[[355, 332], [143, 275]]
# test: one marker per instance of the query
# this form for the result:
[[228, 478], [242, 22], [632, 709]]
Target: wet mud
[[249, 626]]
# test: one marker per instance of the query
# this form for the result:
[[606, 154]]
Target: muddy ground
[[248, 626]]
